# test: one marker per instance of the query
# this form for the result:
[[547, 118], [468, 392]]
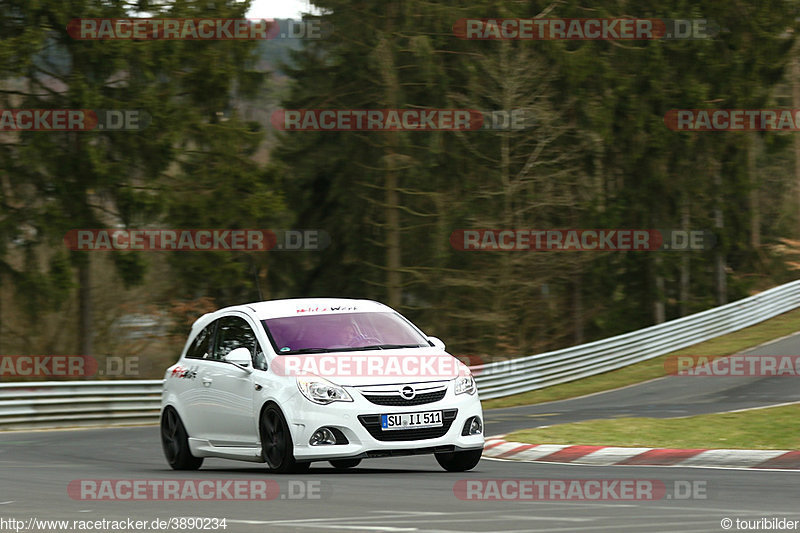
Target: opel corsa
[[290, 382]]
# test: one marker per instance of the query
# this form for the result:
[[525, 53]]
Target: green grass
[[732, 343], [774, 428]]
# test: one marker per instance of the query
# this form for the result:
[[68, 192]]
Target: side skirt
[[203, 448]]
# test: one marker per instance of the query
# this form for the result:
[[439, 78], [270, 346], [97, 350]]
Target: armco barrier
[[544, 370], [50, 404]]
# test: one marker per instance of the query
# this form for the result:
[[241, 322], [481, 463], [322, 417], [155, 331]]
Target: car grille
[[372, 423], [389, 395], [397, 400]]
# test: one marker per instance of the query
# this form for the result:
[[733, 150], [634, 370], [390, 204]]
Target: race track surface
[[414, 494], [401, 494]]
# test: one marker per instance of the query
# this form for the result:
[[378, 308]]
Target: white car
[[289, 382]]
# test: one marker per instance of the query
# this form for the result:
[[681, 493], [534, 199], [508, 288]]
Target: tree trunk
[[577, 306], [796, 105], [659, 312], [85, 336], [385, 54], [1, 311], [685, 264], [393, 263], [721, 282], [260, 277], [755, 210]]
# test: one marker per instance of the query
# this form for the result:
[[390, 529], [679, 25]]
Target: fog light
[[473, 426], [321, 437]]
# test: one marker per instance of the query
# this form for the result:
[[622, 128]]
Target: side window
[[201, 347], [235, 332]]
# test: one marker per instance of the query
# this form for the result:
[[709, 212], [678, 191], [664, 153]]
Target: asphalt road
[[413, 493], [401, 494], [668, 397]]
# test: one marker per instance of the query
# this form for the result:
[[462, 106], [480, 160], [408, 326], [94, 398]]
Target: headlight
[[465, 384], [321, 391]]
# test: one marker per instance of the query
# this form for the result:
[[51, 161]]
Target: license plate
[[426, 419]]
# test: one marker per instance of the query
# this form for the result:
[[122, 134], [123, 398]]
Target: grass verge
[[732, 343], [758, 429]]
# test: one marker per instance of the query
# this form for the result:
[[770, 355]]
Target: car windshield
[[342, 332]]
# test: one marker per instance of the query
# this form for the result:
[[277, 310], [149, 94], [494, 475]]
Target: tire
[[459, 461], [345, 463], [276, 443], [175, 442]]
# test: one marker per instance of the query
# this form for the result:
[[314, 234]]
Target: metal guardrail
[[50, 404], [552, 368]]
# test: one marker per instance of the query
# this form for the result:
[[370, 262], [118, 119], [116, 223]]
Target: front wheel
[[459, 461], [175, 442], [276, 443]]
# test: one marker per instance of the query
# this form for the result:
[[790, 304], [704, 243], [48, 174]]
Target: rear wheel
[[459, 461], [175, 442], [276, 443], [345, 463]]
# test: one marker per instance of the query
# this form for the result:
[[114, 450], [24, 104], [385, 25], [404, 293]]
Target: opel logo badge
[[408, 392]]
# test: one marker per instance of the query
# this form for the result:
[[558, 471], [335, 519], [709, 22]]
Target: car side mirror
[[437, 342], [240, 357]]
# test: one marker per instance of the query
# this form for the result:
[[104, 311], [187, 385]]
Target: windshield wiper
[[307, 350], [390, 346], [353, 349]]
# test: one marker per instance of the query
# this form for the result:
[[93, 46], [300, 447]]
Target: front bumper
[[359, 422]]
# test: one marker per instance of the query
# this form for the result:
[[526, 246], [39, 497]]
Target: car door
[[230, 389], [187, 381]]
